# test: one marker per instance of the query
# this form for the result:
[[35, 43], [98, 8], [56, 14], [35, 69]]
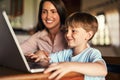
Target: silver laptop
[[11, 54]]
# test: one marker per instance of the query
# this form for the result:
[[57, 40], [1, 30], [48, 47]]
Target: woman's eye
[[54, 11], [43, 11]]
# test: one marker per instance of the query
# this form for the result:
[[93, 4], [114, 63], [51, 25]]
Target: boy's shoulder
[[66, 50], [94, 51]]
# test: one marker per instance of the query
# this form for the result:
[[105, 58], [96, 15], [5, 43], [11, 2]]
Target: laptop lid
[[11, 54]]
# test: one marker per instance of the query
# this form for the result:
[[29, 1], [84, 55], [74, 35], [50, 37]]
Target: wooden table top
[[11, 74]]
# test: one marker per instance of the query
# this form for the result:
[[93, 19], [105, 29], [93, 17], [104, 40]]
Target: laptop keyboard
[[34, 65]]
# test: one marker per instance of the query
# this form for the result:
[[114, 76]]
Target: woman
[[49, 38]]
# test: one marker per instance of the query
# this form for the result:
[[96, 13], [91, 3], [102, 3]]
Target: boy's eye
[[74, 31]]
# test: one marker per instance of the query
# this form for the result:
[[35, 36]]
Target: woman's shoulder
[[40, 33]]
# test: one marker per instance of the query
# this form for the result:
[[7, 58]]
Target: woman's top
[[42, 41], [88, 55]]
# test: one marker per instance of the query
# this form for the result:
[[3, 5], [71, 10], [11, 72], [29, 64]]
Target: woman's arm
[[41, 57]]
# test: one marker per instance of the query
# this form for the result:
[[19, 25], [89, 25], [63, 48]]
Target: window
[[102, 37], [16, 7]]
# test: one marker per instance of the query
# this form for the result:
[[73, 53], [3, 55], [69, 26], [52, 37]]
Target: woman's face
[[50, 16]]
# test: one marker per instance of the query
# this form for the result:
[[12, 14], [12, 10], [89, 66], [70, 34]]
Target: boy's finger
[[50, 69]]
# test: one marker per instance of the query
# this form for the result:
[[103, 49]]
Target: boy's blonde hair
[[84, 20]]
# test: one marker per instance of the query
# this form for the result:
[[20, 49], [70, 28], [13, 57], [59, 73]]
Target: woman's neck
[[54, 30], [52, 34]]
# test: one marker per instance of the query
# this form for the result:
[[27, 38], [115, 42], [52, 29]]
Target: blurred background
[[23, 17]]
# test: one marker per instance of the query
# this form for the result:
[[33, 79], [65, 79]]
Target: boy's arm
[[92, 69]]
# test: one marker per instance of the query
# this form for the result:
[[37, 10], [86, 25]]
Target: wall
[[29, 17], [90, 4], [5, 5], [112, 17], [28, 14]]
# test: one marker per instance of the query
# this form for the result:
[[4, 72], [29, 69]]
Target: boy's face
[[76, 37]]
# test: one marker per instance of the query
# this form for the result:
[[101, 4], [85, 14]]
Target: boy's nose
[[68, 34]]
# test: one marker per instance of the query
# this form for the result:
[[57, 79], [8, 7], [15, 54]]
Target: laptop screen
[[10, 52]]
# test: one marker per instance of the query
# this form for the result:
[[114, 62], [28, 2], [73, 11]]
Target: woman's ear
[[90, 34]]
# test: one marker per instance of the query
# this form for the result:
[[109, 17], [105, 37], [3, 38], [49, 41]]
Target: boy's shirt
[[87, 55]]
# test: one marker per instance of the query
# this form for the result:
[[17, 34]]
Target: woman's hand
[[60, 69], [39, 56]]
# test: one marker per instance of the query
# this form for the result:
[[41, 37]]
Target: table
[[11, 74]]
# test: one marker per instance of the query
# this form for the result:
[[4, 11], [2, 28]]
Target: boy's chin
[[70, 46]]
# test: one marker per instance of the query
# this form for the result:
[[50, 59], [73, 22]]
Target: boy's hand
[[60, 69]]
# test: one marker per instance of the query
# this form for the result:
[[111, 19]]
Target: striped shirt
[[88, 55]]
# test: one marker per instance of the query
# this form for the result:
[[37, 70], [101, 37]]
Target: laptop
[[11, 54]]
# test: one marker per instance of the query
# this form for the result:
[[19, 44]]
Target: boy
[[79, 29]]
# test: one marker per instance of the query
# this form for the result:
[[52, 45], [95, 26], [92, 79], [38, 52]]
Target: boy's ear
[[90, 34]]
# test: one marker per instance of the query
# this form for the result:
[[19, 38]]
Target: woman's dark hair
[[59, 5]]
